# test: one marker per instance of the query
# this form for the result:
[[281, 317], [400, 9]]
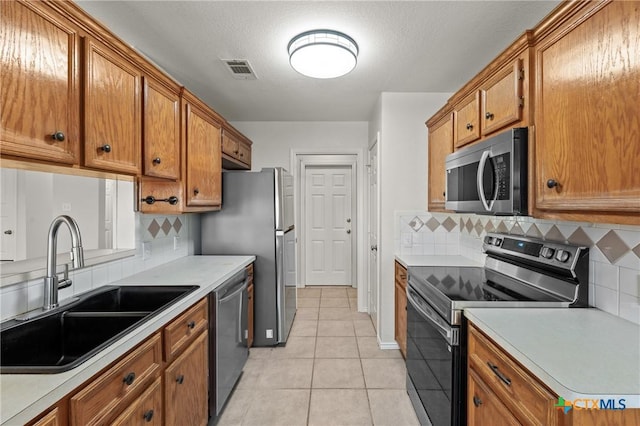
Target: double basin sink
[[69, 335]]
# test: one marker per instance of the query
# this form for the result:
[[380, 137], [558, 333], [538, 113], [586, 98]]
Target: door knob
[[348, 231], [349, 220], [8, 232], [374, 248]]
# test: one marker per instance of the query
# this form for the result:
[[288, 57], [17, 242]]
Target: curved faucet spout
[[77, 257]]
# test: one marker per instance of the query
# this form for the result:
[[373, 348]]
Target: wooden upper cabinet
[[112, 110], [587, 147], [502, 100], [467, 121], [236, 150], [440, 145], [161, 131], [40, 107], [203, 186]]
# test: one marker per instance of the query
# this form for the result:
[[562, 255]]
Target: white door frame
[[299, 160], [374, 142]]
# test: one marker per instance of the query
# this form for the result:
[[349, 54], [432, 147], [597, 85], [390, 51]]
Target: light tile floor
[[331, 371]]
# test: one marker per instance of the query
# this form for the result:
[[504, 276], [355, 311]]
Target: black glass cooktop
[[473, 284]]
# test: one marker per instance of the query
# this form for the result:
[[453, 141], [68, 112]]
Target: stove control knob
[[547, 252], [488, 240], [562, 256], [497, 242]]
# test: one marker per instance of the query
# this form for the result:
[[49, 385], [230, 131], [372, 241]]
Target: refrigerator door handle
[[280, 284]]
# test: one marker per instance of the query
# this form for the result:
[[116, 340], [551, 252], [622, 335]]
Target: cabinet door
[[39, 91], [112, 108], [204, 164], [483, 407], [186, 379], [244, 153], [401, 318], [161, 131], [146, 410], [230, 145], [587, 144], [52, 418], [502, 99], [440, 145], [467, 121]]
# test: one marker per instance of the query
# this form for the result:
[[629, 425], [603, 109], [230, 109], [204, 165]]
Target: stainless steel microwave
[[489, 177]]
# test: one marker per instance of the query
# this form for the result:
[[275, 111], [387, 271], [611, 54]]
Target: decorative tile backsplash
[[159, 239], [614, 270]]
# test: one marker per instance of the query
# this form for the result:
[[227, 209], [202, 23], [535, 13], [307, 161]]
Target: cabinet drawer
[[514, 386], [145, 410], [401, 275], [229, 145], [250, 271], [244, 153], [108, 394], [185, 328]]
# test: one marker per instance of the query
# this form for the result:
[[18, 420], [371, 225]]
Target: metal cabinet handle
[[157, 160], [489, 116], [498, 373], [150, 199], [191, 324], [477, 401], [196, 191], [105, 148], [58, 136], [180, 379], [469, 126], [552, 183], [148, 416], [129, 378]]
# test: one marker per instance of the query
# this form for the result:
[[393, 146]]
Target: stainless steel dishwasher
[[228, 350]]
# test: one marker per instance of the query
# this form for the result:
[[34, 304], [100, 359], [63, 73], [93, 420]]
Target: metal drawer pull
[[497, 372], [129, 378], [148, 416], [477, 401], [191, 324], [180, 379], [150, 199]]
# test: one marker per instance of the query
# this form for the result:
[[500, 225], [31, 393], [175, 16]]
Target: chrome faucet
[[51, 282]]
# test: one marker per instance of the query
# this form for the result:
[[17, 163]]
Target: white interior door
[[8, 214], [373, 233], [328, 225]]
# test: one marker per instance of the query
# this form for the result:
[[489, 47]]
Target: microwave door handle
[[483, 161]]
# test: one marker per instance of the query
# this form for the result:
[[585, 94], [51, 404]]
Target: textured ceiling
[[405, 46]]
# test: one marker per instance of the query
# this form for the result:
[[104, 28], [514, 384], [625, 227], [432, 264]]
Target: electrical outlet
[[176, 243], [146, 251], [269, 334]]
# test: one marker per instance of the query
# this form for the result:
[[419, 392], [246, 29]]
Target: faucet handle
[[65, 281]]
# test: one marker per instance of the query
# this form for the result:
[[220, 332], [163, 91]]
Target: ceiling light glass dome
[[323, 53]]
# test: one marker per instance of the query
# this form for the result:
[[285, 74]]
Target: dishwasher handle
[[238, 288]]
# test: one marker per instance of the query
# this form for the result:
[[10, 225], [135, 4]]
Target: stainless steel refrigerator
[[257, 219]]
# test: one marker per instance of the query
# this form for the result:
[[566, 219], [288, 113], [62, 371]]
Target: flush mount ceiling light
[[323, 53]]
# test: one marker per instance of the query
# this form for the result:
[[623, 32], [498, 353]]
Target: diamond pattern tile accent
[[489, 227], [469, 226], [516, 229], [166, 226], [449, 224], [580, 238], [432, 223], [153, 228], [612, 246], [177, 225], [502, 228], [636, 250], [416, 224], [554, 234], [534, 232], [461, 224], [478, 227]]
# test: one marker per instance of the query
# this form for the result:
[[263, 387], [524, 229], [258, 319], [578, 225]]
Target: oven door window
[[434, 368]]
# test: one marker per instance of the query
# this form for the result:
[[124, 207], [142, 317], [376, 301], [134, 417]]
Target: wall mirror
[[30, 200]]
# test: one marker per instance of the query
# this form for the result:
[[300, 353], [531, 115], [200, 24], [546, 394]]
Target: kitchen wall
[[159, 239], [399, 117], [614, 256], [273, 141]]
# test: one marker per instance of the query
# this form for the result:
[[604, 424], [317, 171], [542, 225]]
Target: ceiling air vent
[[240, 69]]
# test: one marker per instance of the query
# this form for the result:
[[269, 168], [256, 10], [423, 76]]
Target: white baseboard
[[387, 345]]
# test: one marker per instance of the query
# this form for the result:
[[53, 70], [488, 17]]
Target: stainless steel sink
[[65, 337]]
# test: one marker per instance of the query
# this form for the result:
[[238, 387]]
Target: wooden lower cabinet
[[250, 307], [146, 410], [186, 381], [52, 418], [483, 406], [401, 308]]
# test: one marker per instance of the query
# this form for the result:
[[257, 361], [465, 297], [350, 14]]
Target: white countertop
[[408, 260], [577, 353], [24, 396]]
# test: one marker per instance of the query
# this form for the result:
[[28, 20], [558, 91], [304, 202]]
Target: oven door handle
[[488, 206], [450, 334]]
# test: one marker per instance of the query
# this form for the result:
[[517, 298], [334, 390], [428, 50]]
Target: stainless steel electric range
[[518, 272]]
